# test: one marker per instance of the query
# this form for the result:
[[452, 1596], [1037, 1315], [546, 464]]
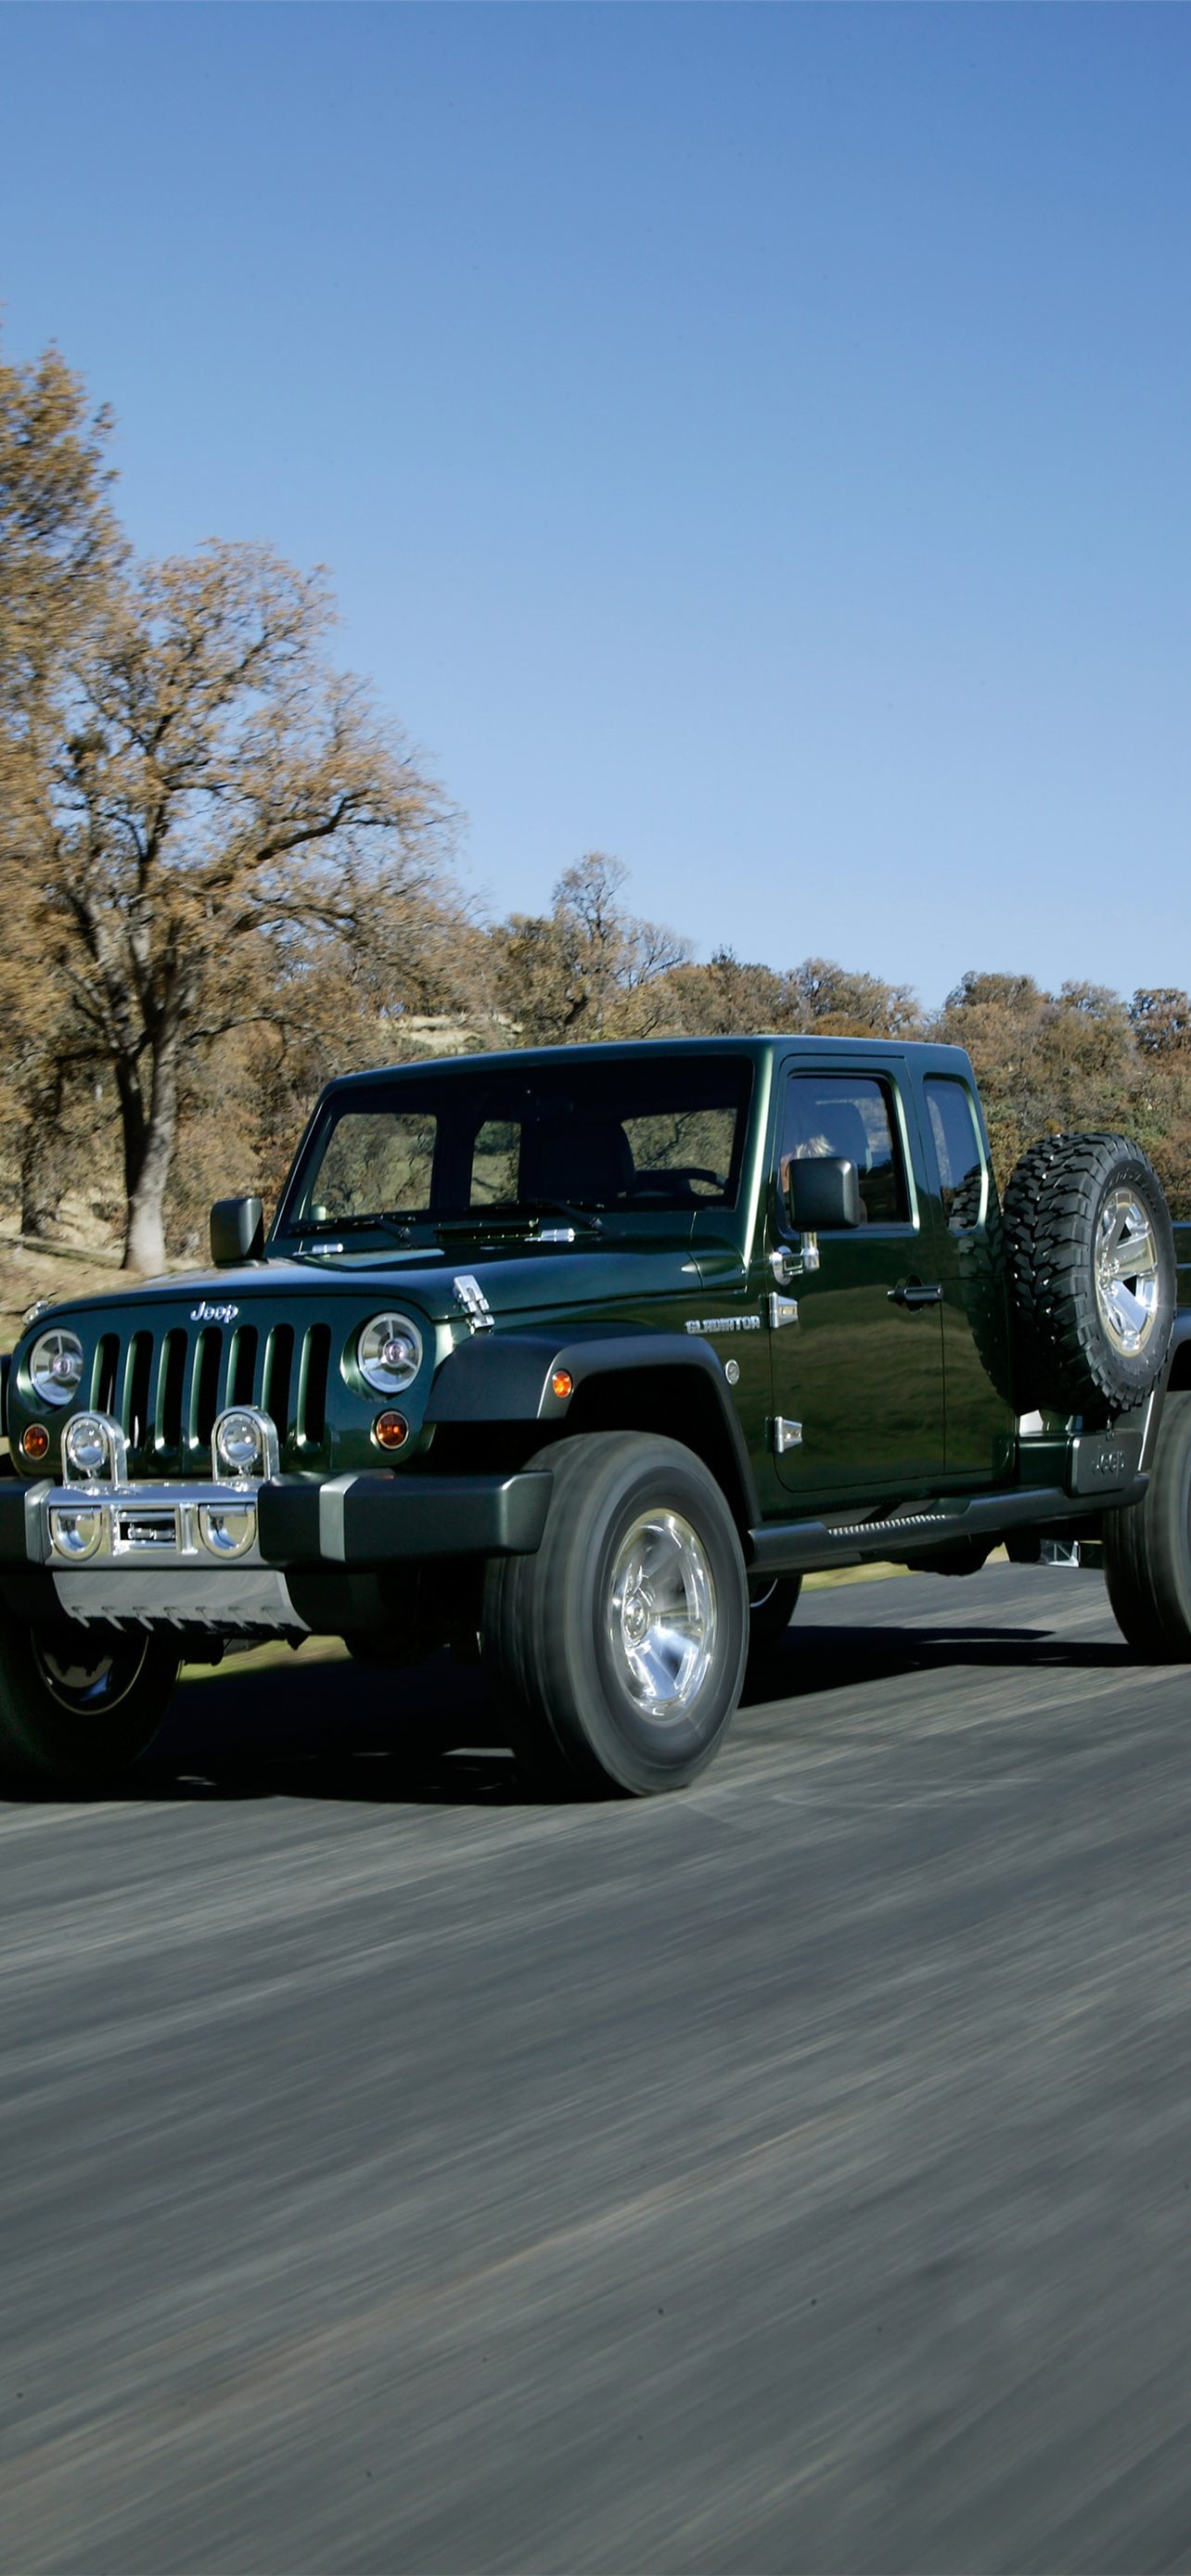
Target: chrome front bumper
[[159, 1555], [192, 1525], [231, 1556]]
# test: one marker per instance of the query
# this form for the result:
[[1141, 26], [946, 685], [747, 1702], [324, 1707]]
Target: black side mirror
[[823, 1193], [237, 1231]]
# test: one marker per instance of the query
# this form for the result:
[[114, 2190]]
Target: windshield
[[640, 1135]]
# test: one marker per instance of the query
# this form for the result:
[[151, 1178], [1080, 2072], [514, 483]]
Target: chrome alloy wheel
[[662, 1614], [87, 1683], [1126, 1272]]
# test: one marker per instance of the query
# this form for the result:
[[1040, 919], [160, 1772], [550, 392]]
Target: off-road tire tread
[[1064, 1362]]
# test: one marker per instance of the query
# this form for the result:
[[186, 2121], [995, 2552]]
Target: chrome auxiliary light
[[93, 1448], [244, 1445], [76, 1534], [227, 1529]]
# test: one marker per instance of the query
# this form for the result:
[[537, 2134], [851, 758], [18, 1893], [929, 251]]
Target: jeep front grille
[[166, 1385]]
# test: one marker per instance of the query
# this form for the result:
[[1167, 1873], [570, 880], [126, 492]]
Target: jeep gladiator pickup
[[585, 1356]]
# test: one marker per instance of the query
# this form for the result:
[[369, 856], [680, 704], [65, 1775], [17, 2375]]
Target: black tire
[[773, 1600], [568, 1638], [79, 1704], [1088, 1341], [1147, 1548]]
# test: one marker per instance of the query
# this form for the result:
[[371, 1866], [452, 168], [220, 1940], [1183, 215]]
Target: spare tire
[[1092, 1271]]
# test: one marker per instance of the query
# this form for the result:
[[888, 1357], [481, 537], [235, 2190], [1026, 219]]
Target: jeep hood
[[516, 1280]]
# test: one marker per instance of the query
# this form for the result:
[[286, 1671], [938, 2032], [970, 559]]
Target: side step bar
[[813, 1547]]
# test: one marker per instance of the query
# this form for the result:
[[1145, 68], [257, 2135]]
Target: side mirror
[[237, 1231], [822, 1193]]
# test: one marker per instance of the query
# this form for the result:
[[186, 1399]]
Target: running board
[[813, 1547]]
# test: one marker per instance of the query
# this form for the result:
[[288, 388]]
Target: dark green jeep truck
[[588, 1355]]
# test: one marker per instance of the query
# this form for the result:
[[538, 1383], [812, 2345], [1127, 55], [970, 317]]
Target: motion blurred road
[[790, 2175]]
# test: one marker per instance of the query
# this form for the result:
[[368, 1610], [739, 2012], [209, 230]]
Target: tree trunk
[[42, 1174], [149, 1151]]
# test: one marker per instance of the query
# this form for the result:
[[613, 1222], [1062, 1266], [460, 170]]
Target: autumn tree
[[727, 997], [838, 1001], [1160, 1018], [588, 968], [216, 795], [817, 997], [60, 553], [59, 540], [1045, 1062]]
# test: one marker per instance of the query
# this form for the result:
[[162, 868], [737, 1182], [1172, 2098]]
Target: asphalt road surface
[[791, 2175]]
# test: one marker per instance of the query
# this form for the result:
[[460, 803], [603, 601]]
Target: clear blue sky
[[752, 440]]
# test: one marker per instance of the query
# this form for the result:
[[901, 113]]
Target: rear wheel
[[618, 1649], [1147, 1548], [79, 1703]]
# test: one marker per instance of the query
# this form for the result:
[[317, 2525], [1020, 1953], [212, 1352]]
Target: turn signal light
[[562, 1383], [35, 1442], [390, 1431]]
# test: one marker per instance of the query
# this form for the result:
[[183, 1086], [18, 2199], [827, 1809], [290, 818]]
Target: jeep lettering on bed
[[588, 1355]]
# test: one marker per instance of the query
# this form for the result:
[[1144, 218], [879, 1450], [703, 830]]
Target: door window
[[852, 1115], [959, 1152]]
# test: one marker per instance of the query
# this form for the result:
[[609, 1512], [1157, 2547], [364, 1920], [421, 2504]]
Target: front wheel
[[619, 1648], [79, 1703]]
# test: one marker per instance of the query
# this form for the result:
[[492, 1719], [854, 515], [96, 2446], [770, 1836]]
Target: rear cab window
[[961, 1165]]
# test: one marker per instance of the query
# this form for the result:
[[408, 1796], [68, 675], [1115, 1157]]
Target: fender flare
[[501, 1377]]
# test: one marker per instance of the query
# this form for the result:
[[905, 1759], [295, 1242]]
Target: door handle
[[916, 1292]]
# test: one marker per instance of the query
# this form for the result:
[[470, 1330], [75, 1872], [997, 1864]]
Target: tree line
[[226, 874]]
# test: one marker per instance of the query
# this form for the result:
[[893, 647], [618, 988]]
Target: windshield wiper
[[354, 1225], [506, 1219], [563, 1207]]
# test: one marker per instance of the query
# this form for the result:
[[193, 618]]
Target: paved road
[[795, 2175]]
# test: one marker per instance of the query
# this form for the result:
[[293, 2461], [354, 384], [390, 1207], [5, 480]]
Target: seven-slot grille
[[165, 1384]]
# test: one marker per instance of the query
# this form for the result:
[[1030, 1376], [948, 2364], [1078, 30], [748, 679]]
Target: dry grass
[[29, 1271]]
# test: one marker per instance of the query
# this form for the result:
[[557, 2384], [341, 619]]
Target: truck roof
[[759, 1045]]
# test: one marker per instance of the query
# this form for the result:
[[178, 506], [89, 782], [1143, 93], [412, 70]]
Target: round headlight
[[56, 1366], [389, 1352]]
